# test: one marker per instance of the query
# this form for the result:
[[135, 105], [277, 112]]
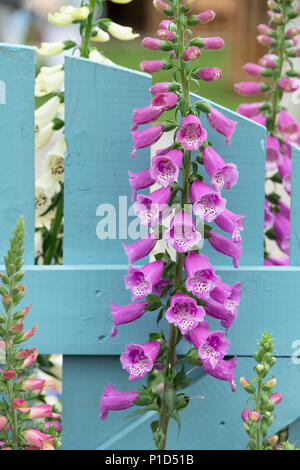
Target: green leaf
[[182, 401], [145, 397], [154, 302], [181, 380], [170, 397], [143, 410], [192, 357], [177, 418], [160, 315]]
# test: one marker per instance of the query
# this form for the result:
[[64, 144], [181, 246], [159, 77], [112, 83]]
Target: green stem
[[55, 228], [84, 50], [10, 388], [164, 415], [258, 396]]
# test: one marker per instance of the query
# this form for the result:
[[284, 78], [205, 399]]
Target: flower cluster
[[195, 291], [280, 35], [49, 117], [17, 386], [257, 421]]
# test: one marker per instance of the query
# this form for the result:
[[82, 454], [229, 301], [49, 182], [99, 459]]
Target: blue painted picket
[[71, 302]]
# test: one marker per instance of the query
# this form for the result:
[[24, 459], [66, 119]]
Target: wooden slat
[[295, 209], [76, 300], [17, 143], [210, 423], [99, 104]]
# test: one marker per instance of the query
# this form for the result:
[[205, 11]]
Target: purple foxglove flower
[[114, 400], [231, 223], [221, 124], [273, 155], [223, 371], [249, 110], [161, 286], [269, 216], [264, 29], [209, 74], [223, 175], [245, 414], [269, 61], [206, 16], [140, 249], [292, 32], [285, 168], [146, 137], [225, 312], [211, 345], [145, 115], [141, 281], [167, 24], [161, 87], [264, 39], [282, 232], [261, 119], [182, 234], [140, 180], [253, 69], [126, 314], [213, 43], [201, 275], [165, 34], [228, 295], [248, 88], [153, 208], [191, 134], [165, 168], [151, 43], [284, 209], [139, 359], [152, 66], [288, 127], [225, 246], [191, 53], [184, 312], [288, 85], [165, 100], [272, 261], [276, 398], [208, 204]]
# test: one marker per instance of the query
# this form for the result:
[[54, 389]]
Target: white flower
[[124, 33], [60, 19], [38, 243], [122, 2], [46, 113], [97, 57], [51, 48], [44, 191], [42, 136], [80, 13], [49, 81], [101, 36], [54, 163]]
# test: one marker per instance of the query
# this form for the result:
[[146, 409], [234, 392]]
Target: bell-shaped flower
[[34, 385], [224, 370], [273, 261], [126, 314], [141, 281], [208, 204], [285, 170], [191, 134], [223, 175], [114, 400], [184, 312], [201, 275], [54, 162], [46, 113], [226, 311], [225, 246], [51, 48], [269, 216], [140, 180], [146, 137], [211, 345], [96, 56], [140, 249], [40, 411], [29, 360], [159, 103], [273, 155], [49, 80], [63, 17], [228, 295], [182, 235], [221, 124], [231, 223], [288, 127], [249, 110], [139, 359], [39, 439], [43, 136], [81, 14], [21, 405], [165, 168], [288, 85], [282, 231], [99, 35], [152, 209]]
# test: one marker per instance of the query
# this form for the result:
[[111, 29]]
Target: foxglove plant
[[17, 388], [280, 36], [258, 420], [184, 288], [49, 117]]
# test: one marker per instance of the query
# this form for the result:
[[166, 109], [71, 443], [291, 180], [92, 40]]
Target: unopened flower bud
[[247, 385], [276, 398], [6, 300], [292, 32], [260, 368], [269, 384], [9, 374], [191, 53], [273, 439], [254, 416]]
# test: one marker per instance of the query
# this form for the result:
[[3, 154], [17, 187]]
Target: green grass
[[131, 55]]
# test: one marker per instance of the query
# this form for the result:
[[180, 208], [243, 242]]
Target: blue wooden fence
[[71, 302]]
